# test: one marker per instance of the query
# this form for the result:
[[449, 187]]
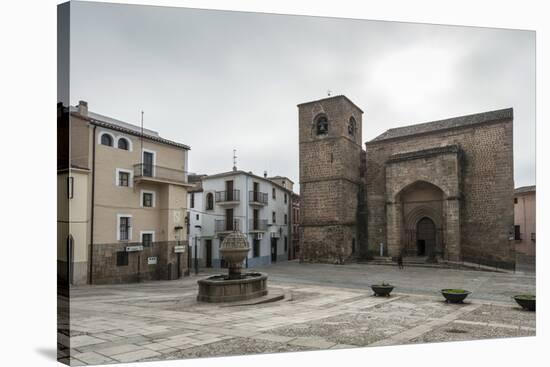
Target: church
[[437, 191]]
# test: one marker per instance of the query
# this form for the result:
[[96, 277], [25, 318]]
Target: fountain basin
[[220, 288]]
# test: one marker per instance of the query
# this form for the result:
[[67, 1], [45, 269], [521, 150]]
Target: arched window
[[352, 126], [106, 139], [123, 144], [209, 201], [322, 125]]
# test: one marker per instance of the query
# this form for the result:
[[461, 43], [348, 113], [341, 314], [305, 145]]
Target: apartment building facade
[[126, 193], [525, 227], [240, 201]]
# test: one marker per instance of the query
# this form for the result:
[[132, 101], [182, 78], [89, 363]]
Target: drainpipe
[[90, 278]]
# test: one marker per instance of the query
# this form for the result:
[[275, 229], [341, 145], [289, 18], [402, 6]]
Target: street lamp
[[196, 251]]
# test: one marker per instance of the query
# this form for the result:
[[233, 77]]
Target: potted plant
[[455, 295], [382, 290], [527, 301]]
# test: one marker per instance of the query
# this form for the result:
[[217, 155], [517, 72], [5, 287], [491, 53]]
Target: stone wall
[[106, 271], [327, 243], [486, 186], [330, 177]]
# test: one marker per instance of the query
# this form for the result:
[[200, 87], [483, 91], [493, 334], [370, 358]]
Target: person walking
[[400, 261]]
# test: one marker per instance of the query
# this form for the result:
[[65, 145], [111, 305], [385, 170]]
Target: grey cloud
[[222, 80]]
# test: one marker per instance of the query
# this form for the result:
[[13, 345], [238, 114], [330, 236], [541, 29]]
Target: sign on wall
[[134, 248], [152, 260], [179, 249]]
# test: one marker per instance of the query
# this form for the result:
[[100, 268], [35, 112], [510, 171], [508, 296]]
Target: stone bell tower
[[331, 179]]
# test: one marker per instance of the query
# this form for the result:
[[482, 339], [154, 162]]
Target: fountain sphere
[[235, 286]]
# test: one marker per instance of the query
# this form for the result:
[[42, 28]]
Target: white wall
[[244, 213]]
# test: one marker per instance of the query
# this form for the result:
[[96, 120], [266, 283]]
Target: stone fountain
[[236, 286]]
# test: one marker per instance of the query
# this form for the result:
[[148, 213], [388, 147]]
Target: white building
[[238, 200]]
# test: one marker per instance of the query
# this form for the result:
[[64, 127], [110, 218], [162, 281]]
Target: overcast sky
[[219, 80]]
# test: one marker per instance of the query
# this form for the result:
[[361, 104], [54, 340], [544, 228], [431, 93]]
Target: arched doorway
[[425, 237], [420, 206]]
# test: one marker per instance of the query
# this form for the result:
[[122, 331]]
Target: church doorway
[[425, 237]]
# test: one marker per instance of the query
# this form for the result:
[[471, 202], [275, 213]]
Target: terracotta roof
[[453, 149], [130, 129], [451, 123], [280, 178], [238, 172], [525, 189]]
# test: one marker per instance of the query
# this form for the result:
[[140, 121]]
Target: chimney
[[265, 174], [83, 108]]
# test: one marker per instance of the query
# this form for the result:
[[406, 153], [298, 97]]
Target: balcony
[[257, 198], [257, 225], [154, 173], [231, 197], [224, 226]]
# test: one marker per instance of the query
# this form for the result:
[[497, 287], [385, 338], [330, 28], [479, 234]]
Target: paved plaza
[[325, 307]]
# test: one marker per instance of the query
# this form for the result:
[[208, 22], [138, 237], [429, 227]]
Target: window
[[209, 201], [515, 200], [285, 199], [148, 165], [256, 248], [274, 193], [123, 178], [124, 228], [121, 258], [286, 218], [70, 187], [192, 200], [322, 125], [106, 139], [123, 144], [147, 199], [274, 217], [353, 245], [147, 238], [351, 126], [197, 217], [286, 243], [517, 233]]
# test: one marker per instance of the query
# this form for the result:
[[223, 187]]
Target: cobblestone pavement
[[161, 320]]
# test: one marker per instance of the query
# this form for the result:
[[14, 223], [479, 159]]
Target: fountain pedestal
[[235, 286]]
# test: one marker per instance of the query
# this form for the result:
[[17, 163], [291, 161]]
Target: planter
[[382, 290], [527, 301], [455, 295]]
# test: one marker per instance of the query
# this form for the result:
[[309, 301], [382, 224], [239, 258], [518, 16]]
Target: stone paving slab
[[162, 320], [84, 340], [494, 314], [137, 355], [463, 332], [92, 358], [232, 347], [125, 348]]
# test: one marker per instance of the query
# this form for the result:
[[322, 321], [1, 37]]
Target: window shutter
[[129, 228]]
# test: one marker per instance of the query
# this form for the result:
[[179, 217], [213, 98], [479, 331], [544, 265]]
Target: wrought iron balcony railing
[[154, 172], [258, 225], [223, 225], [257, 197], [228, 196]]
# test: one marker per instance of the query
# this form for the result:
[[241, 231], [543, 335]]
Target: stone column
[[393, 228], [452, 233]]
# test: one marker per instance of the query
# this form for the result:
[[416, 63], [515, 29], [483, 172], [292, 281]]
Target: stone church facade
[[442, 190]]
